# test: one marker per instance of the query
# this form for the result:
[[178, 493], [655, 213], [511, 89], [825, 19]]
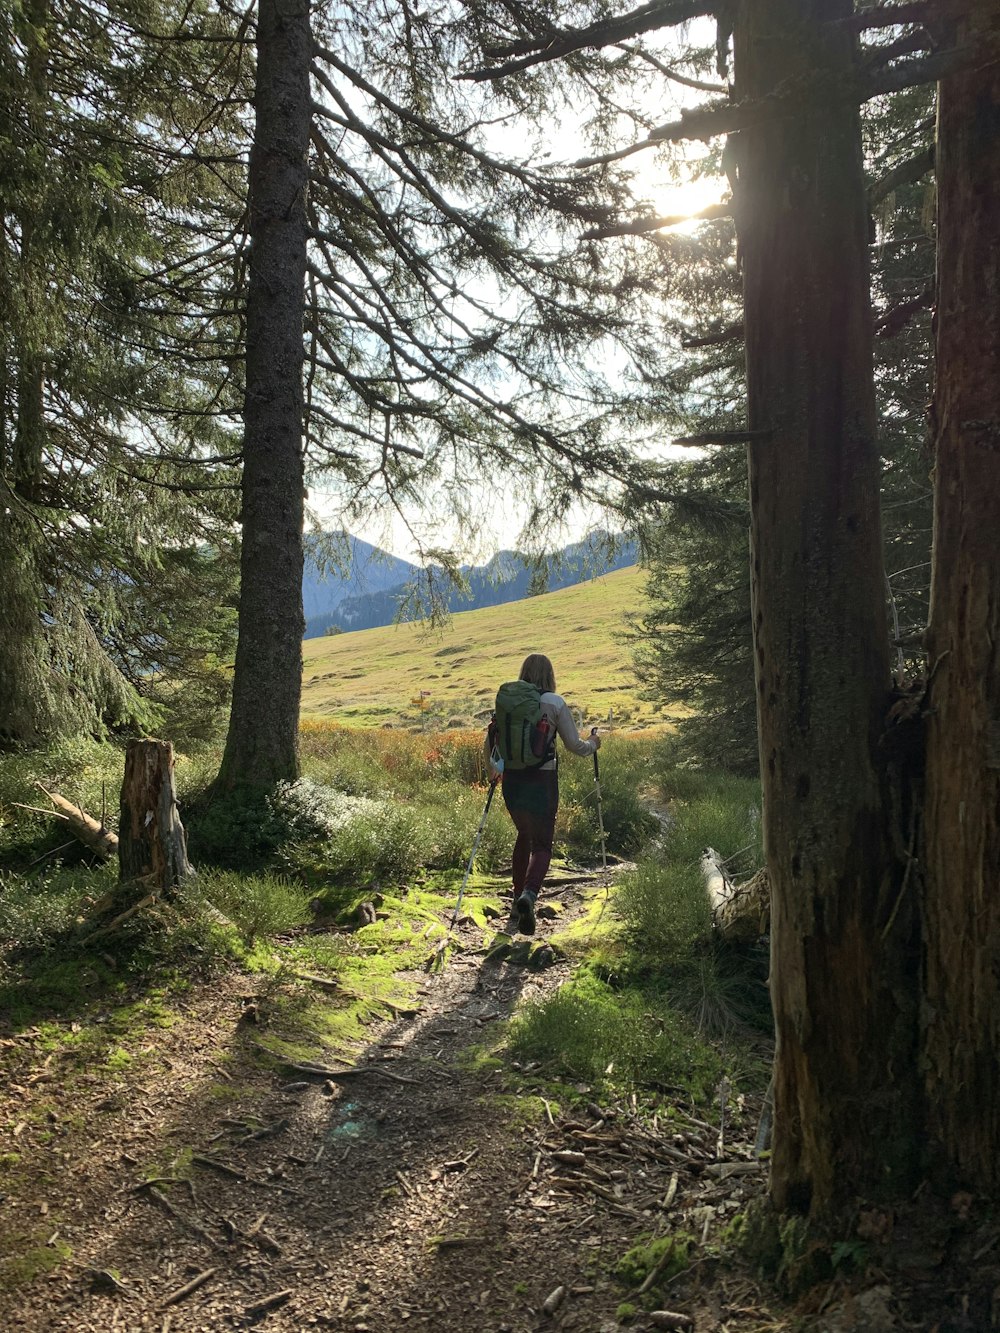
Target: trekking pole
[[600, 807], [475, 847]]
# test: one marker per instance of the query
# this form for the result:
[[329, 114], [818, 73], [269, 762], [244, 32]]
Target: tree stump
[[151, 842]]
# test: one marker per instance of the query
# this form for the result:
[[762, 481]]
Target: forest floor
[[203, 1184], [207, 1187]]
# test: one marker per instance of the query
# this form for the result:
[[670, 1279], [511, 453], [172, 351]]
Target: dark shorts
[[532, 791]]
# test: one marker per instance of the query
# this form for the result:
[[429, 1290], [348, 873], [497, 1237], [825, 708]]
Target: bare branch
[[606, 32], [886, 16], [905, 173], [928, 69], [891, 321], [669, 72]]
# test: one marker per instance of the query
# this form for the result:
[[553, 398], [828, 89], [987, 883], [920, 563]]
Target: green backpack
[[522, 734]]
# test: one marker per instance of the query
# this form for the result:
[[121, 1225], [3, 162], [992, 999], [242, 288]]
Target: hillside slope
[[373, 676], [377, 585]]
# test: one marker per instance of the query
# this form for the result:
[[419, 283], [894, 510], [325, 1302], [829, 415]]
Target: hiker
[[531, 783]]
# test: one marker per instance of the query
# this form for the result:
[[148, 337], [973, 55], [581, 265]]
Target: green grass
[[371, 677], [620, 1038]]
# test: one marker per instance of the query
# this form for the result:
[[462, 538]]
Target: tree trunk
[[962, 816], [151, 842], [262, 744], [844, 1007]]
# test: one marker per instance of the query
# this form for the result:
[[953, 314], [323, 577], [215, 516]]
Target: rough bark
[[262, 744], [844, 1058], [962, 819], [151, 842]]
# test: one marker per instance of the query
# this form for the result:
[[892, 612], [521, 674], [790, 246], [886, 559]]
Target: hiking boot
[[525, 909]]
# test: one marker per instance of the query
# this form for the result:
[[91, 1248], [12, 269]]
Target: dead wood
[[90, 831], [153, 1193], [121, 918], [268, 1303], [152, 844], [189, 1288], [739, 911], [267, 1132], [325, 983]]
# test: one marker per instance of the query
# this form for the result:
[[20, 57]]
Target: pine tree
[[108, 445]]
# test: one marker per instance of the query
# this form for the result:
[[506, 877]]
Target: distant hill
[[339, 566], [379, 588], [399, 674]]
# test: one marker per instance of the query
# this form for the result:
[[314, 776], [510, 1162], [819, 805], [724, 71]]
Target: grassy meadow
[[372, 677]]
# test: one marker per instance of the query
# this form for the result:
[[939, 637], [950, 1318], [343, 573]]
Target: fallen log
[[739, 911], [90, 831]]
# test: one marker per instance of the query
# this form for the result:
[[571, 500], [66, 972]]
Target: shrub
[[625, 778], [256, 904], [664, 908]]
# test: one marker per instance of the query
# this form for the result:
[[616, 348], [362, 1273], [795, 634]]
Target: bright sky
[[677, 193]]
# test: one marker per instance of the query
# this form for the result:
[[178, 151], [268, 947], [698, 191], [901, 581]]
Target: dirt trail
[[409, 1193]]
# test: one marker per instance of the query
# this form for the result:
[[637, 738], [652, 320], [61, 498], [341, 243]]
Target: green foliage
[[665, 912], [664, 908], [586, 1030], [112, 547], [692, 642], [663, 902]]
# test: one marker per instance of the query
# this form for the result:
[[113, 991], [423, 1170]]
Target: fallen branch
[[189, 1287], [122, 917], [268, 1303], [322, 1071], [90, 831], [179, 1217]]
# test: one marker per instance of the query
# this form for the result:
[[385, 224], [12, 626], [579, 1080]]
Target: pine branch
[[711, 119], [639, 226], [722, 437], [731, 333]]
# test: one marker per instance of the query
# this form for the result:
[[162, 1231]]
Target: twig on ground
[[153, 1193], [267, 1303], [189, 1287]]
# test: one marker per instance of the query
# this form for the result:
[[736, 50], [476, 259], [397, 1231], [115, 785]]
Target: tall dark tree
[[262, 742], [842, 796], [962, 819], [821, 645]]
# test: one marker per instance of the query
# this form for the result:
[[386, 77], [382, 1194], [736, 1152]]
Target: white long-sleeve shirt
[[556, 709]]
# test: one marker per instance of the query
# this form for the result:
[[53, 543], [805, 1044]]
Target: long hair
[[537, 670]]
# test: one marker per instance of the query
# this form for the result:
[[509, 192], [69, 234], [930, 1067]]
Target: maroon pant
[[532, 799]]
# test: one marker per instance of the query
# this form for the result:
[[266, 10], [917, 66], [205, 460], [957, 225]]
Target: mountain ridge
[[379, 589]]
